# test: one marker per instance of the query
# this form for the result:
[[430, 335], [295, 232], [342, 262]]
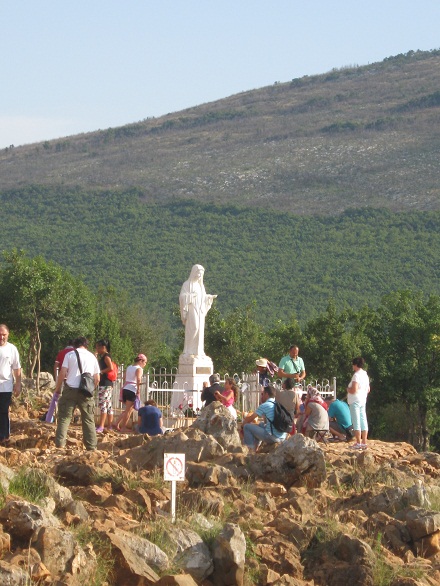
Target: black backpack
[[282, 420]]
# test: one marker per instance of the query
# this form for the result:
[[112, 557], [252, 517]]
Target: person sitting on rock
[[288, 398], [263, 431], [302, 414], [228, 396], [316, 416], [340, 420]]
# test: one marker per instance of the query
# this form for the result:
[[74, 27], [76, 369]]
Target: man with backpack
[[265, 431]]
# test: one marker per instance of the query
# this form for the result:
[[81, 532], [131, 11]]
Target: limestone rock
[[11, 575], [352, 563], [393, 499], [121, 504], [217, 421], [178, 580], [229, 550], [421, 523], [134, 557], [95, 495], [196, 445], [84, 469], [6, 475], [77, 509], [268, 576], [203, 501], [298, 460], [193, 555], [61, 494], [141, 498], [204, 474], [21, 519], [61, 554]]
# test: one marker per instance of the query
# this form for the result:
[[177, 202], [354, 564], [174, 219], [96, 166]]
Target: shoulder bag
[[87, 383]]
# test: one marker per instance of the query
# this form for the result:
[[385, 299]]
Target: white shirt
[[9, 361], [130, 377], [89, 364], [360, 396]]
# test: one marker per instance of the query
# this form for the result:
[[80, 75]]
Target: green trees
[[332, 340], [404, 359], [43, 303], [44, 306], [234, 341]]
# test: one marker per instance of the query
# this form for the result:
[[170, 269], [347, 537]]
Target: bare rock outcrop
[[196, 445], [21, 519], [217, 421], [135, 557], [229, 554], [297, 461], [192, 554]]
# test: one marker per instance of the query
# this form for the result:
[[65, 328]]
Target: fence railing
[[180, 406]]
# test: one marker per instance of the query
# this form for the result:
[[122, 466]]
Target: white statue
[[194, 305]]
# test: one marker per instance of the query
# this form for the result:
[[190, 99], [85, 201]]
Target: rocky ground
[[301, 513]]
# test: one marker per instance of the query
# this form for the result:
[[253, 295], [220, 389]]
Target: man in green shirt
[[292, 366]]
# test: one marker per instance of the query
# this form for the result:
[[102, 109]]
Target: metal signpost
[[173, 471]]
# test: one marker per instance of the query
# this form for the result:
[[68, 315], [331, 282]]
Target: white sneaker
[[357, 447]]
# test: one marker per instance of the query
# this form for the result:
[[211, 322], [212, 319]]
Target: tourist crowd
[[308, 413]]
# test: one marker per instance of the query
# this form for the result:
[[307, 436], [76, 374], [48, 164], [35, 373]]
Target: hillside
[[287, 264], [355, 137]]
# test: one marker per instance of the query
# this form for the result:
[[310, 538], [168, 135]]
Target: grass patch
[[384, 573], [362, 480], [118, 478], [30, 484], [3, 494], [324, 541], [156, 478], [105, 562]]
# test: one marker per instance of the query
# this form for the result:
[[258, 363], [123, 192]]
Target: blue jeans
[[254, 434], [5, 401]]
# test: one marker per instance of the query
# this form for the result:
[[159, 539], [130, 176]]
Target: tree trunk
[[37, 354], [424, 425]]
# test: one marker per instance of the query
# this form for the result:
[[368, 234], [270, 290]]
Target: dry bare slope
[[355, 137]]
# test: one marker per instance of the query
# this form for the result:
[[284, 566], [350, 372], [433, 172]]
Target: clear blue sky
[[71, 66]]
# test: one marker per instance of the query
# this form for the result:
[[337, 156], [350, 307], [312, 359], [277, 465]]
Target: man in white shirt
[[10, 380], [71, 396]]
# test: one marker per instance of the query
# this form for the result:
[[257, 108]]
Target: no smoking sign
[[174, 467]]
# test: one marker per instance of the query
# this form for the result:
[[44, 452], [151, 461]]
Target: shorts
[[128, 395]]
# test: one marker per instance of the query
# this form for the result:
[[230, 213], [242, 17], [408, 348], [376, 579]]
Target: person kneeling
[[150, 419], [263, 431]]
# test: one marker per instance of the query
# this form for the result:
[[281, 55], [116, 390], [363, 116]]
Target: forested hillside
[[353, 137], [287, 264]]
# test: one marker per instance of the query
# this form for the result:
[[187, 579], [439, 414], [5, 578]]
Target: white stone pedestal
[[192, 372]]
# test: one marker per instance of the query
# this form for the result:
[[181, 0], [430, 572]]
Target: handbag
[[86, 383], [137, 403]]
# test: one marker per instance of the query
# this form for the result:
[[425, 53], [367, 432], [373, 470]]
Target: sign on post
[[173, 471]]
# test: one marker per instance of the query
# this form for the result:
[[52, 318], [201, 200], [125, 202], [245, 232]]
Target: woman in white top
[[357, 392], [131, 390]]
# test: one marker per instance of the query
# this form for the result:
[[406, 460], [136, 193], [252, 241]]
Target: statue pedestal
[[192, 372]]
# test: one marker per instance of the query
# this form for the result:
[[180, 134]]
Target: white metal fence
[[159, 385]]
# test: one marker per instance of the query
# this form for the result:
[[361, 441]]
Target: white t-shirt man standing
[[68, 386], [10, 380]]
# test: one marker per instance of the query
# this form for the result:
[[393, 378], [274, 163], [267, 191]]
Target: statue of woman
[[194, 305]]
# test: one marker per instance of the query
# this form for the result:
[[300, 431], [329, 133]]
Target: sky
[[73, 66]]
